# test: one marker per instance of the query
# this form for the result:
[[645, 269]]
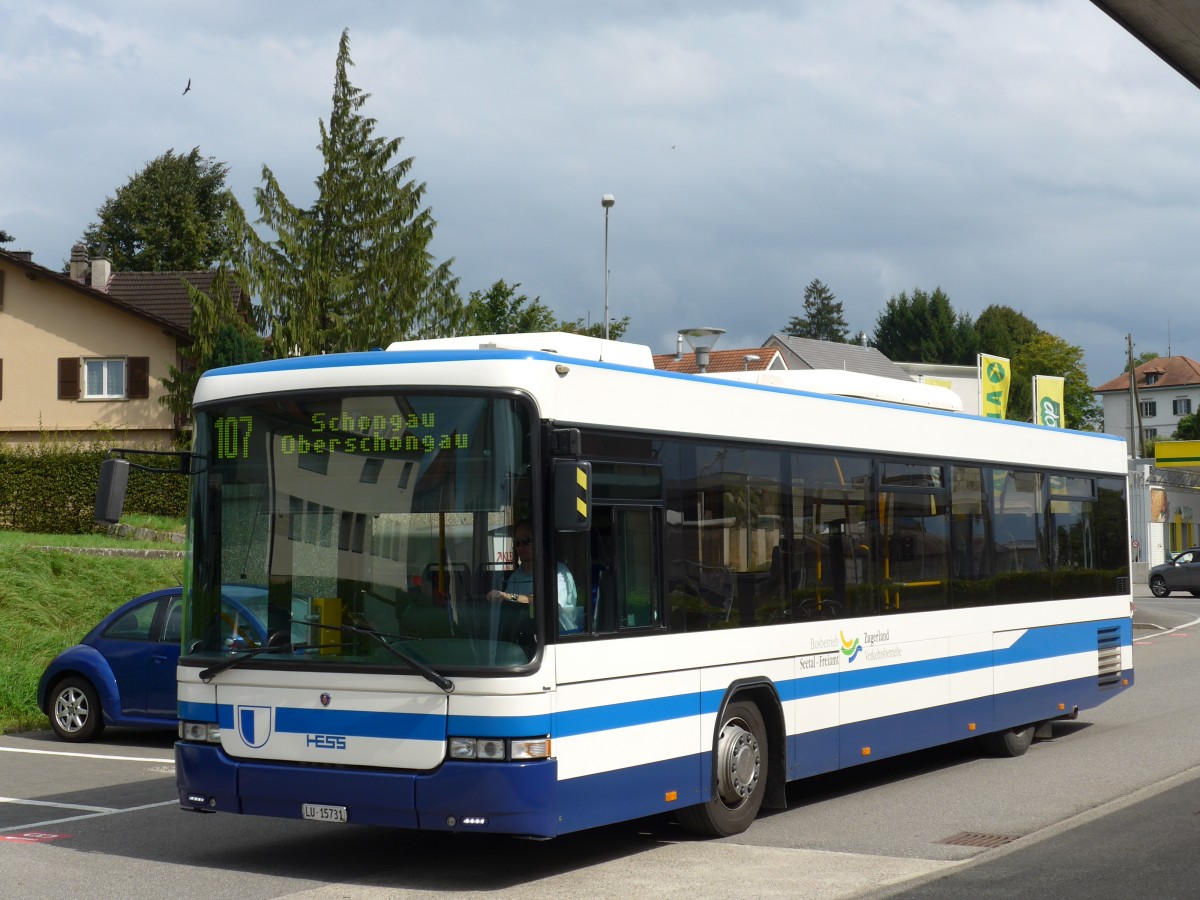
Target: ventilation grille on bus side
[[1108, 653]]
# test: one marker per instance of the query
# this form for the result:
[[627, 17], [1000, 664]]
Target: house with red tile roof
[[83, 355], [752, 359], [1168, 388]]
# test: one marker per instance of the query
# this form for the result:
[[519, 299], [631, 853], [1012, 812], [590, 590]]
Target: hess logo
[[325, 741]]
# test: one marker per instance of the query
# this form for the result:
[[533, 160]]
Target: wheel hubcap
[[71, 709], [739, 763]]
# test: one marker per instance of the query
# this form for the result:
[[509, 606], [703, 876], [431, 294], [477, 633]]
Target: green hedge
[[51, 489]]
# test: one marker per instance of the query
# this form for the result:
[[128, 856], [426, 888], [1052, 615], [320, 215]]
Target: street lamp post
[[607, 202]]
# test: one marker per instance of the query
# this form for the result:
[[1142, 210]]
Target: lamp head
[[702, 338], [607, 201]]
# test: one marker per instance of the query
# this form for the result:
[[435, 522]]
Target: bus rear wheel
[[741, 764], [1013, 742]]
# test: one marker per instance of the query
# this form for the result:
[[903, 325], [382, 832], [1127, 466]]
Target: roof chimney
[[79, 263], [101, 270]]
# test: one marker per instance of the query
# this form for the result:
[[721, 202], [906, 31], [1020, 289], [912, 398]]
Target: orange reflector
[[970, 726], [866, 751], [1061, 707], [1125, 682], [671, 796]]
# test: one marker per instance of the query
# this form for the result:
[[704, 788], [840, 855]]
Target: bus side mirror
[[110, 492], [572, 495]]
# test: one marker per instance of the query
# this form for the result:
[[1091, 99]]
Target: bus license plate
[[319, 813]]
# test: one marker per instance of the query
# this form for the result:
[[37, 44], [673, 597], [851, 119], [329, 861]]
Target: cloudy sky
[[1020, 152]]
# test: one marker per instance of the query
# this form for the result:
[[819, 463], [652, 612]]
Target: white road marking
[[18, 801], [88, 812], [149, 759], [28, 826]]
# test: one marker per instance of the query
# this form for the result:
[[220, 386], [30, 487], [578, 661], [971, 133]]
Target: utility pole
[[1135, 408]]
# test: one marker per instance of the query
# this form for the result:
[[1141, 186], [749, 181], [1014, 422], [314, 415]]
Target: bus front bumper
[[506, 798]]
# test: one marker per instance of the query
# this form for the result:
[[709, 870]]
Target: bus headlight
[[207, 732], [498, 749]]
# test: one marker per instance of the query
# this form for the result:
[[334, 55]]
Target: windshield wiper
[[419, 667], [229, 662]]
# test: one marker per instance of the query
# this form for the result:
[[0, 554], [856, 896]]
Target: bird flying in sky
[[189, 86]]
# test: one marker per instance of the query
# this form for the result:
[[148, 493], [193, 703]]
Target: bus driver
[[519, 583]]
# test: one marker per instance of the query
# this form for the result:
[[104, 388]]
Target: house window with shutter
[[117, 378], [103, 379]]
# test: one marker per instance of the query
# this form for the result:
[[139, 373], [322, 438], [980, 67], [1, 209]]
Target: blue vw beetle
[[123, 671]]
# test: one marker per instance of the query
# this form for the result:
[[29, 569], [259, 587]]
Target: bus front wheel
[[741, 764]]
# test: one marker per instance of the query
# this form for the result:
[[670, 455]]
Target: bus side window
[[603, 599], [624, 578]]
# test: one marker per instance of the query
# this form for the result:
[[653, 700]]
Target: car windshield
[[347, 528]]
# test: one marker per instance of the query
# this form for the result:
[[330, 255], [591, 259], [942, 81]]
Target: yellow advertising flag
[[1048, 400], [994, 377]]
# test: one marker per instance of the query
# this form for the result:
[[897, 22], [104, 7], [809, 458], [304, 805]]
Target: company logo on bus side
[[850, 649]]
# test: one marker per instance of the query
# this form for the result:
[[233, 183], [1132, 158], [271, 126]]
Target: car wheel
[[75, 710], [1158, 586]]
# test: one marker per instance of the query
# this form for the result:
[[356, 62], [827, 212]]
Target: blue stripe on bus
[[622, 715], [396, 358], [1034, 644], [498, 726], [360, 723], [412, 726], [191, 711]]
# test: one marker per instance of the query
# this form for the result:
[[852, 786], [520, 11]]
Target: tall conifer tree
[[823, 319], [353, 271]]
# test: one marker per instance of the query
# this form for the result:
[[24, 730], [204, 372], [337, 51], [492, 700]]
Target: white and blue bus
[[768, 582]]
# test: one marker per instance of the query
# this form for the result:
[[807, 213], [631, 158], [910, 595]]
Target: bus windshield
[[358, 530]]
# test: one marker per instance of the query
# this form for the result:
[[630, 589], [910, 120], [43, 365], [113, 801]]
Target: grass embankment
[[49, 599]]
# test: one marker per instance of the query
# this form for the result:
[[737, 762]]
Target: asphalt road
[[1106, 808]]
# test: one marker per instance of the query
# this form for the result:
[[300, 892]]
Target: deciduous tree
[[1048, 354], [1002, 331], [502, 311], [169, 217], [221, 336], [616, 328], [1187, 428]]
